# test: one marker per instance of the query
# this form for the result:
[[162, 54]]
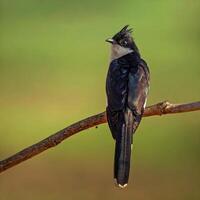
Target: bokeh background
[[53, 64]]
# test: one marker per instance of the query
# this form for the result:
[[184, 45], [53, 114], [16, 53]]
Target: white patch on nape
[[118, 51]]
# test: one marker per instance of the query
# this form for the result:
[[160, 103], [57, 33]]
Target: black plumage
[[127, 87]]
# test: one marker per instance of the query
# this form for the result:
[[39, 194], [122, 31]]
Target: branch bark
[[53, 140]]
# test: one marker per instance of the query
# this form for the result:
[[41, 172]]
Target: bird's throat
[[118, 51]]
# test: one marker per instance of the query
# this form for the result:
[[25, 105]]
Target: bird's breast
[[116, 85]]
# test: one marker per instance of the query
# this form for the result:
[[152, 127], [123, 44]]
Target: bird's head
[[122, 43]]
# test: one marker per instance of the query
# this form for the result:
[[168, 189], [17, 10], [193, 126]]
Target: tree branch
[[53, 140]]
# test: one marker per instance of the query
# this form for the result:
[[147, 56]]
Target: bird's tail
[[123, 149]]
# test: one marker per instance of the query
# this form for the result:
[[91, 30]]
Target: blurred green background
[[53, 64]]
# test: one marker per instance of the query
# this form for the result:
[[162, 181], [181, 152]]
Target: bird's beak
[[110, 40]]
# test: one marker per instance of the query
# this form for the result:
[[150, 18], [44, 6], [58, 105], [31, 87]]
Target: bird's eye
[[124, 42]]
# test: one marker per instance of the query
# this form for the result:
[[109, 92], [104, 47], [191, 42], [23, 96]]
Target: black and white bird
[[127, 86]]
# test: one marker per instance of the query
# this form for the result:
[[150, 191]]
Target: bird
[[127, 88]]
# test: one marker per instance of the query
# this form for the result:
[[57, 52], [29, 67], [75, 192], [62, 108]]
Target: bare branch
[[53, 140]]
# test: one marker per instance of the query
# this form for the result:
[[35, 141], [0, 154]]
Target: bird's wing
[[138, 87]]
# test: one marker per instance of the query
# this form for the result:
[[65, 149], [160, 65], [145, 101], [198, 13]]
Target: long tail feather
[[123, 149]]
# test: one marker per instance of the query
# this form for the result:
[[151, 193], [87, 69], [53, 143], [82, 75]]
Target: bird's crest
[[124, 32]]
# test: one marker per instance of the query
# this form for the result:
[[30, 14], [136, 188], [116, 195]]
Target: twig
[[53, 140]]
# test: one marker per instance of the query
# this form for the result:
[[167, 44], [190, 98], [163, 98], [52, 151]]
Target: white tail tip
[[122, 186], [119, 185]]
